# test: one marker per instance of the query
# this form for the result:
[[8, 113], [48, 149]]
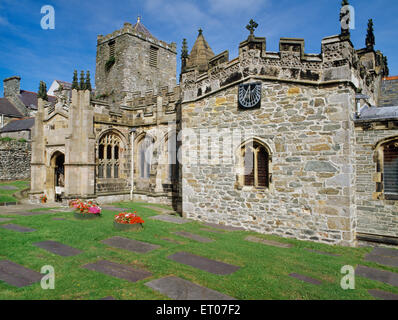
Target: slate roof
[[19, 125], [378, 113], [139, 27], [29, 99], [8, 109]]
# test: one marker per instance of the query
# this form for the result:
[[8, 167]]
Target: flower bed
[[85, 210], [128, 221], [43, 199]]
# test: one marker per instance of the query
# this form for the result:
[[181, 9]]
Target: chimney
[[12, 86]]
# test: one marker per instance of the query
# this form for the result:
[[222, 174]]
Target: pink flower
[[94, 210]]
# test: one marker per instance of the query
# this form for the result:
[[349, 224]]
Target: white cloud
[[236, 6]]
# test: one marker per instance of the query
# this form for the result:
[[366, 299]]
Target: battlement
[[129, 30], [143, 99], [338, 61]]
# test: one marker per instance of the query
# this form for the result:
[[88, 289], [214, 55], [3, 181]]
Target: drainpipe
[[132, 131], [2, 121]]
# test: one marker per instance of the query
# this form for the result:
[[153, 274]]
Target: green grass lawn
[[7, 195], [264, 272]]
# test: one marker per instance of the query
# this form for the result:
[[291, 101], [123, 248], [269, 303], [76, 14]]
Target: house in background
[[57, 85], [17, 109]]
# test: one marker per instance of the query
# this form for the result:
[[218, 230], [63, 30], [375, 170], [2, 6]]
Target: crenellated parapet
[[338, 61]]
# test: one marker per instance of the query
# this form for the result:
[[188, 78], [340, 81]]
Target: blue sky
[[36, 54]]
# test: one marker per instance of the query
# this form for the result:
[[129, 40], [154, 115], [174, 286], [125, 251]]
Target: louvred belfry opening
[[391, 168]]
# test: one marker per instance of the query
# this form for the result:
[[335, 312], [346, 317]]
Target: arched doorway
[[57, 176]]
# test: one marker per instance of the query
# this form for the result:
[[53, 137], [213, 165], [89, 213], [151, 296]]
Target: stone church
[[285, 143]]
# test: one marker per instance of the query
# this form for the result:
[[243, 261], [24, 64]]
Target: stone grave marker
[[58, 248], [17, 275], [268, 242], [193, 236], [202, 263], [172, 219], [388, 277], [118, 270], [130, 244], [180, 289], [17, 228], [383, 295]]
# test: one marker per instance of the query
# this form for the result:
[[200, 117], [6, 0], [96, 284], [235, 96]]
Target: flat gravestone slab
[[158, 209], [168, 218], [8, 188], [108, 298], [268, 242], [223, 227], [130, 245], [5, 219], [17, 275], [36, 213], [118, 270], [17, 228], [173, 241], [385, 260], [180, 289], [211, 230], [118, 209], [193, 236], [58, 248], [323, 253], [377, 275], [383, 295], [385, 252], [305, 278], [203, 263]]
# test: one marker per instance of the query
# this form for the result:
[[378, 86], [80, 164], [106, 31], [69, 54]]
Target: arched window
[[108, 167], [387, 170], [145, 157], [172, 157], [254, 165]]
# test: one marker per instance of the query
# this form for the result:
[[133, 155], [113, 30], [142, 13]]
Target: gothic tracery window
[[109, 156], [387, 170]]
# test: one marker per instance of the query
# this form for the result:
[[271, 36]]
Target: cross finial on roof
[[252, 26], [138, 19]]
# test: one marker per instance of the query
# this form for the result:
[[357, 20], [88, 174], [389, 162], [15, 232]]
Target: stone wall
[[376, 215], [389, 92], [15, 160], [308, 132]]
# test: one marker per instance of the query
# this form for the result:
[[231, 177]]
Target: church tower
[[132, 59]]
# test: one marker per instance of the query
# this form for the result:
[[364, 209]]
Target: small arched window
[[254, 165], [387, 170]]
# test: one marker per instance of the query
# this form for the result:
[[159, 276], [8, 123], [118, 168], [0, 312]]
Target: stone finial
[[252, 26], [386, 70], [200, 31], [75, 84], [88, 81], [370, 37], [82, 81], [138, 19], [345, 30], [42, 94], [184, 51]]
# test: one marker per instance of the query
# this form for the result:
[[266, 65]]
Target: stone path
[[223, 227], [17, 275], [58, 248], [130, 245], [5, 219], [203, 263], [268, 242], [8, 188], [305, 278], [180, 289], [118, 270], [385, 256], [159, 209], [172, 219], [388, 277], [17, 228], [383, 295], [193, 236], [323, 253]]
